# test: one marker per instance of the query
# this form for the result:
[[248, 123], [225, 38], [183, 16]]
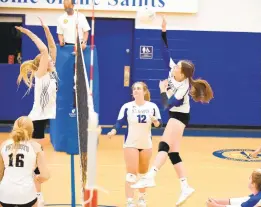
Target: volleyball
[[145, 16]]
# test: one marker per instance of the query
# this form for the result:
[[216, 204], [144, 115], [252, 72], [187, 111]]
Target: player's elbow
[[174, 102], [170, 102]]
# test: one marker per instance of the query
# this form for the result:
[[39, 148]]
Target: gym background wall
[[223, 40]]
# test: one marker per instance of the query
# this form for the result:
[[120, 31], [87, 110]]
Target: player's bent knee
[[131, 178], [174, 158], [163, 146]]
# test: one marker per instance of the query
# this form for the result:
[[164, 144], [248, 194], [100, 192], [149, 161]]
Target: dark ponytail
[[200, 90]]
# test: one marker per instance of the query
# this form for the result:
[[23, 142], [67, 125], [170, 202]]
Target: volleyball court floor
[[210, 175]]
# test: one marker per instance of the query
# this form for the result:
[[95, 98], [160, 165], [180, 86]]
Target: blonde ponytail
[[27, 71], [147, 95], [22, 131]]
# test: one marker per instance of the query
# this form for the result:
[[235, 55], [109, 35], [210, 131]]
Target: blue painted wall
[[229, 61]]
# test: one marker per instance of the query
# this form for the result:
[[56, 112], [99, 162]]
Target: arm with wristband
[[122, 119], [169, 63], [168, 98]]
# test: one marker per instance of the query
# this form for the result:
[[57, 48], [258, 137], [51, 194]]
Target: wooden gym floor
[[209, 175]]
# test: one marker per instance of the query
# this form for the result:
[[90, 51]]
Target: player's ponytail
[[22, 131], [146, 91], [27, 68], [147, 96], [19, 134], [200, 89]]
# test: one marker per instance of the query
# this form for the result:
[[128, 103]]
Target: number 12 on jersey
[[141, 118]]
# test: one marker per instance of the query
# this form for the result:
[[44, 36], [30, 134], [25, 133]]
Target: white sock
[[130, 200], [141, 195], [153, 171], [183, 183]]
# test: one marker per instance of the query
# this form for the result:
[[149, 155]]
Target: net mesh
[[82, 112]]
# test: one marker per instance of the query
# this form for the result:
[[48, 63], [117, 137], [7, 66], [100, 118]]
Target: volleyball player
[[175, 97], [139, 115], [18, 157], [42, 69], [252, 200]]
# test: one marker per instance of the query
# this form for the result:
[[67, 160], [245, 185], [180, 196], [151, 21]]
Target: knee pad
[[131, 178], [163, 146], [174, 158], [36, 171]]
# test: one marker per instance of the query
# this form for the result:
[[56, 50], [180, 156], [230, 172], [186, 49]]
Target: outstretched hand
[[21, 29], [164, 23], [41, 21]]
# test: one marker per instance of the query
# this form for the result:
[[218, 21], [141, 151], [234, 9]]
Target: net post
[[72, 182]]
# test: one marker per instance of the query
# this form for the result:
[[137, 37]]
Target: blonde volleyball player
[[175, 97], [139, 115], [18, 157], [252, 200], [42, 69]]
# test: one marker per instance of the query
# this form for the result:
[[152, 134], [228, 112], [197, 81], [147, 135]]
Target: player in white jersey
[[138, 115], [253, 200], [18, 157], [42, 69], [175, 97]]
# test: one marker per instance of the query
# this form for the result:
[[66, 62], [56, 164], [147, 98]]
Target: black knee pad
[[174, 158], [163, 146], [36, 171]]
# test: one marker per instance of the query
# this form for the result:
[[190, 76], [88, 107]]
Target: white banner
[[172, 6]]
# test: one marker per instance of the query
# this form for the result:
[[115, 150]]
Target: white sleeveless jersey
[[181, 92], [138, 120], [44, 106], [17, 185]]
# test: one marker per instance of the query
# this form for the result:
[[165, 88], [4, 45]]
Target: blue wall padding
[[63, 130]]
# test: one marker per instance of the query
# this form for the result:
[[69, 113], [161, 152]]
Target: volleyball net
[[87, 122]]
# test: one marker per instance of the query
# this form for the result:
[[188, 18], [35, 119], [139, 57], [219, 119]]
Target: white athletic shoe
[[40, 203], [142, 202], [144, 182], [185, 194], [40, 200], [130, 204]]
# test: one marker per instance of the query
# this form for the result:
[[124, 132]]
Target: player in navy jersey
[[175, 93], [138, 115], [42, 70], [252, 200]]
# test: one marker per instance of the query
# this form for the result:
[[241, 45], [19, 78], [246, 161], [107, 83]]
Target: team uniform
[[44, 107], [179, 108], [138, 121], [178, 104], [249, 201], [17, 187]]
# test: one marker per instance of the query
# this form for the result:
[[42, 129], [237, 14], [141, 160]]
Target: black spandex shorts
[[182, 117], [30, 204], [39, 128]]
